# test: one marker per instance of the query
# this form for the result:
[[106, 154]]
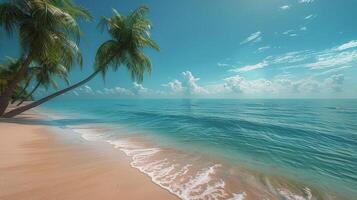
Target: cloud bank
[[323, 76]]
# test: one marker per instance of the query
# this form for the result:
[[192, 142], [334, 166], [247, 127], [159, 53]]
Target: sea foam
[[180, 179], [185, 180]]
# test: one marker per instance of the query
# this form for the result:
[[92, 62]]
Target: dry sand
[[37, 163]]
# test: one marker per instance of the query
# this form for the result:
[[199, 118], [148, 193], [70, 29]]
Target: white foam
[[174, 176], [238, 196], [88, 134], [181, 180], [288, 195], [121, 144], [308, 193], [194, 188]]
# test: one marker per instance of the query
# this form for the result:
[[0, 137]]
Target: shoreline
[[107, 148], [37, 163]]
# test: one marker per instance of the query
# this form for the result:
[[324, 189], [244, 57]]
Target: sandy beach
[[37, 163]]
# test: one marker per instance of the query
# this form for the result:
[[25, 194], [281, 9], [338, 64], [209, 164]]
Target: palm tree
[[45, 75], [26, 81], [20, 94], [24, 96], [7, 70], [48, 33], [130, 35]]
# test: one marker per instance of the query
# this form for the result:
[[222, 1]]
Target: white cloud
[[306, 1], [348, 45], [99, 92], [343, 55], [330, 59], [333, 70], [328, 63], [303, 28], [175, 86], [188, 86], [280, 87], [139, 89], [233, 83], [253, 38], [289, 58], [291, 33], [116, 91], [248, 68], [123, 91], [285, 7], [192, 88], [239, 85], [335, 82], [223, 65], [309, 17], [306, 86], [287, 32], [86, 89], [261, 49], [339, 56], [108, 91]]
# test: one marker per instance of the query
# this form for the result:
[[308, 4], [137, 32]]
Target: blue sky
[[232, 49]]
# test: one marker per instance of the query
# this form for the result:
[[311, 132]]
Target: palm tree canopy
[[73, 9], [130, 35], [48, 31], [46, 73], [7, 71]]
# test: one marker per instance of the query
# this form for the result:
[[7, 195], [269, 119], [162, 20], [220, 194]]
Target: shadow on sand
[[33, 120]]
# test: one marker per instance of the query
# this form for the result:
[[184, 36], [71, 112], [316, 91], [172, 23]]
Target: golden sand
[[36, 163]]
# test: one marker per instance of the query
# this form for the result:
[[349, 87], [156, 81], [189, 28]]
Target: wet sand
[[37, 163]]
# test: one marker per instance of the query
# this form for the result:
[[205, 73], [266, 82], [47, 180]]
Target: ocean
[[227, 149]]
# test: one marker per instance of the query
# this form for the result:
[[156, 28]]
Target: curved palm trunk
[[6, 95], [28, 95], [45, 99], [21, 92]]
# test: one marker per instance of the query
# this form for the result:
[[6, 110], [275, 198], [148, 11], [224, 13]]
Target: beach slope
[[36, 163]]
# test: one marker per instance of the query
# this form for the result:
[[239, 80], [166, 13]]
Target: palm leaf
[[130, 35]]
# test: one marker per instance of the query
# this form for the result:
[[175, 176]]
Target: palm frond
[[74, 10], [130, 35], [10, 15], [48, 30]]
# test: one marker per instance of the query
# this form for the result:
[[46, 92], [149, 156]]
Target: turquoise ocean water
[[228, 149]]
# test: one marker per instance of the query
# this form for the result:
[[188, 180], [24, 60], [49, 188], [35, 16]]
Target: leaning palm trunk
[[6, 95], [30, 94], [45, 99], [129, 36]]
